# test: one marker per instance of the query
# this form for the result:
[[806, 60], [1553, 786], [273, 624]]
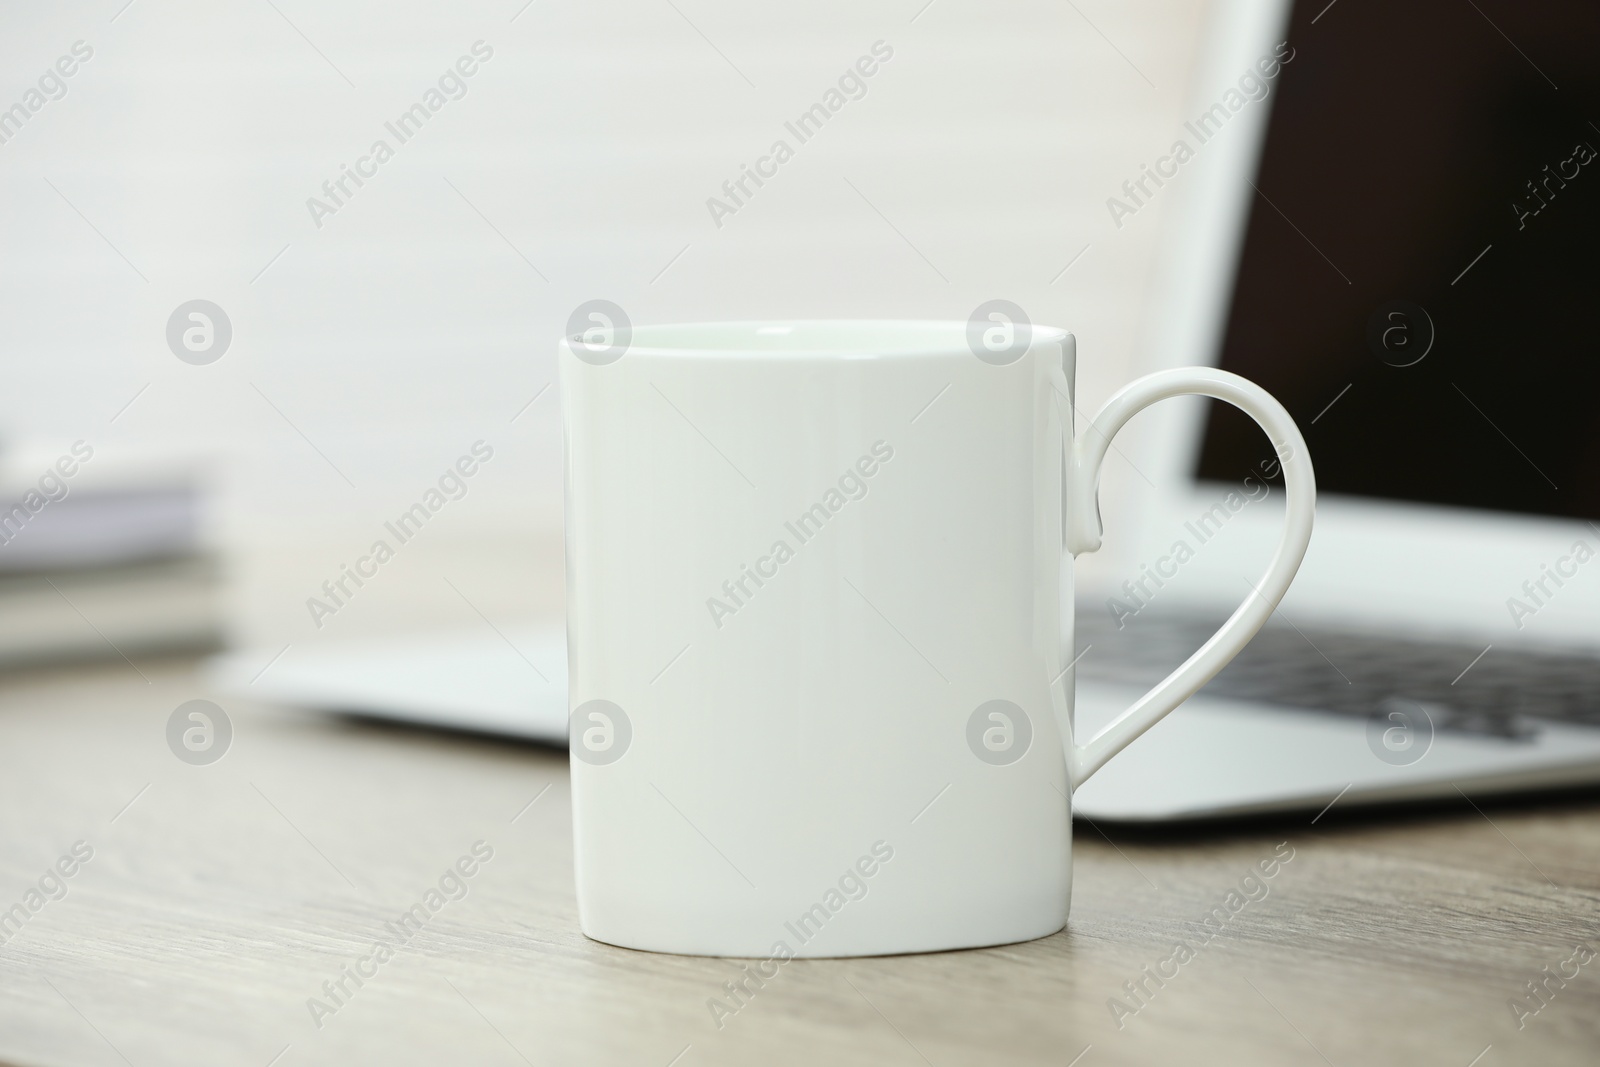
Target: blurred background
[[374, 344]]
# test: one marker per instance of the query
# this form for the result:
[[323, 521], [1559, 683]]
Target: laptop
[[1387, 217]]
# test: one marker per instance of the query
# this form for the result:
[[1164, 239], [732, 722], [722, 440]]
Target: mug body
[[816, 640]]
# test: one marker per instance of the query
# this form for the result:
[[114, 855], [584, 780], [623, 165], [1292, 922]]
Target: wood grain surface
[[219, 899]]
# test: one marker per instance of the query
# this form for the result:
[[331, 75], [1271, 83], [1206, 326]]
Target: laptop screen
[[1419, 282]]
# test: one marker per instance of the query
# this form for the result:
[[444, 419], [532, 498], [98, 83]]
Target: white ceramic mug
[[818, 653]]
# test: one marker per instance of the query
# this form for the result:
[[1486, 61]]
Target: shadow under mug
[[821, 698]]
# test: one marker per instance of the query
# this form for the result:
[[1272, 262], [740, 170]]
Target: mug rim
[[813, 338]]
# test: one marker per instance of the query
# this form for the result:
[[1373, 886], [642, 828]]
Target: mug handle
[[1084, 457]]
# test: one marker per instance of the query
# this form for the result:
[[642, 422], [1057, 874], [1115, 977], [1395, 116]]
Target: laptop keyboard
[[1503, 694]]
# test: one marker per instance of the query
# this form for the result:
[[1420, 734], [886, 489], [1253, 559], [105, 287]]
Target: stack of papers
[[100, 558]]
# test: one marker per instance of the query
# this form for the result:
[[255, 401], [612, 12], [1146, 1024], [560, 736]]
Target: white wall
[[406, 327]]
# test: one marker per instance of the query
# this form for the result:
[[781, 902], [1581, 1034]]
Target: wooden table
[[219, 899]]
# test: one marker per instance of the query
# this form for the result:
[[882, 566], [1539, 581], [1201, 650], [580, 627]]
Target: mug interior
[[844, 338]]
